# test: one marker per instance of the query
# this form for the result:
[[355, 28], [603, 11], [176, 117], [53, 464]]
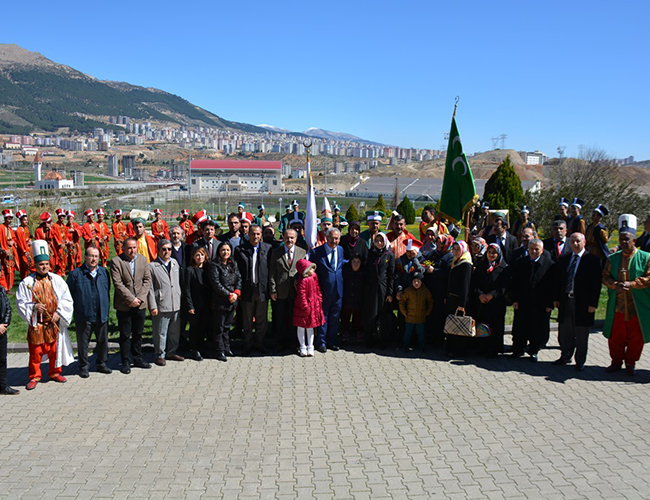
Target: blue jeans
[[408, 333]]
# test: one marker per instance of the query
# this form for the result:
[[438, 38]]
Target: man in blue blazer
[[329, 265]]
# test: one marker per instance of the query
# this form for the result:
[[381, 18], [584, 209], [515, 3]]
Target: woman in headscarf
[[487, 298], [378, 289], [478, 248], [437, 265], [350, 243], [458, 288]]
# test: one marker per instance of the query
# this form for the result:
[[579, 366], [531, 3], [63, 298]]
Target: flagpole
[[455, 106]]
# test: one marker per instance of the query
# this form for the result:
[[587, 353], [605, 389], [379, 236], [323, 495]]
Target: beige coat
[[128, 286], [165, 291]]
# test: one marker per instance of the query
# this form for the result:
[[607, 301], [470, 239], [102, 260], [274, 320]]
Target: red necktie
[[558, 248]]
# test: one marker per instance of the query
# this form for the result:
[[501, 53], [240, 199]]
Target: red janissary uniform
[[103, 237], [90, 232], [119, 235], [73, 242], [58, 233], [187, 227], [8, 258], [45, 233], [147, 247], [398, 243], [160, 230], [24, 247]]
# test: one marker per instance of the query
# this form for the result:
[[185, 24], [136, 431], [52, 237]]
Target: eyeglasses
[[166, 249]]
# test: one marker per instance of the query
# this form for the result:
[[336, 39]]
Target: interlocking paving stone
[[342, 425]]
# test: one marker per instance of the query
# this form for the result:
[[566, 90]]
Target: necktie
[[559, 248], [255, 266], [289, 259], [333, 259], [571, 273], [210, 249]]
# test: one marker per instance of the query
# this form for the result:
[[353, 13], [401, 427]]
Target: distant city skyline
[[547, 75]]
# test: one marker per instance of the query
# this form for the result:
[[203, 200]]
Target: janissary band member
[[627, 277], [186, 224], [90, 230], [159, 227], [44, 302], [73, 242], [596, 234], [24, 245], [44, 232], [103, 237], [146, 244], [59, 231], [7, 255], [119, 232]]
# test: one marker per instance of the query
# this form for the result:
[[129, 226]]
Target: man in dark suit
[[644, 240], [233, 235], [329, 262], [532, 294], [208, 241], [577, 292], [527, 234], [281, 287], [503, 238], [557, 244], [180, 250], [252, 258]]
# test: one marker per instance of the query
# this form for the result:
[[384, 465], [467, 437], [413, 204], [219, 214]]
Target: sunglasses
[[166, 249]]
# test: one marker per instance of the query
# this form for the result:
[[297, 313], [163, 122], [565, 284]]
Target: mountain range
[[37, 94]]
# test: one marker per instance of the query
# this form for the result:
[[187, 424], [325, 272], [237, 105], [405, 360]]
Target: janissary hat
[[157, 211], [627, 224], [288, 208], [602, 210], [7, 213], [564, 202], [412, 245], [577, 202], [117, 212], [100, 211], [261, 207], [46, 217], [485, 204], [377, 215], [185, 211], [295, 203], [60, 212], [89, 213], [199, 217], [21, 213], [525, 210], [70, 213], [247, 217], [242, 205], [40, 250], [295, 220]]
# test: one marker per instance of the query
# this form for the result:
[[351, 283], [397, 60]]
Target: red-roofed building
[[244, 176]]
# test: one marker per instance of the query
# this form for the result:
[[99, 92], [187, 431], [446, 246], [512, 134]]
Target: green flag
[[458, 190]]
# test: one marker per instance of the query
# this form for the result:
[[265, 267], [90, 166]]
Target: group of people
[[378, 286]]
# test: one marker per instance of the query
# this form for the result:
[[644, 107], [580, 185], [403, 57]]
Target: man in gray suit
[[164, 302], [132, 281], [209, 242], [281, 287]]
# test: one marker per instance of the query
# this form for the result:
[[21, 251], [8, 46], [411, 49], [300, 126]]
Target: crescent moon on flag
[[459, 159], [456, 139]]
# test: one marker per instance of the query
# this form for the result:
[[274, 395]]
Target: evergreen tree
[[352, 214], [407, 209], [503, 189], [380, 204]]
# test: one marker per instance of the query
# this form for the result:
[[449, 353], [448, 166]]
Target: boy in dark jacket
[[5, 321], [353, 282]]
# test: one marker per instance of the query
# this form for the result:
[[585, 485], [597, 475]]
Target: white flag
[[310, 219]]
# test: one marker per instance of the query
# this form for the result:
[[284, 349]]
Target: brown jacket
[[281, 276], [127, 285], [416, 305]]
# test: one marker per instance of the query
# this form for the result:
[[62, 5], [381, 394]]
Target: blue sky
[[547, 74]]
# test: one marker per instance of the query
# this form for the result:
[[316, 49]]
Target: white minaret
[[37, 167]]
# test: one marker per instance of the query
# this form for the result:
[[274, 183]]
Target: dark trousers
[[573, 339], [199, 327], [286, 332], [533, 329], [258, 310], [330, 329], [222, 323], [131, 325], [85, 331], [351, 315], [3, 362]]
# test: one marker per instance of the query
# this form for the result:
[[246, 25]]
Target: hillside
[[39, 94]]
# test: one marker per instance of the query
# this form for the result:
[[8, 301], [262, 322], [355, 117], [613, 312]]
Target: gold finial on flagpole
[[455, 106], [307, 146]]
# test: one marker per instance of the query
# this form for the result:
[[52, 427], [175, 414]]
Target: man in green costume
[[627, 276]]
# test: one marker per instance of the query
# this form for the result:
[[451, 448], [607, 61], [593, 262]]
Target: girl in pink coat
[[308, 307]]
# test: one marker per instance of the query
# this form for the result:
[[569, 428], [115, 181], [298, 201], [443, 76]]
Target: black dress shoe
[[139, 363], [262, 350], [103, 369], [516, 354], [221, 356], [125, 369], [9, 391], [321, 348], [229, 353], [247, 350], [580, 367], [561, 361], [84, 374], [196, 356], [533, 358], [334, 348]]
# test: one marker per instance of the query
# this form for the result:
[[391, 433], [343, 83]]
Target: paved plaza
[[341, 425]]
